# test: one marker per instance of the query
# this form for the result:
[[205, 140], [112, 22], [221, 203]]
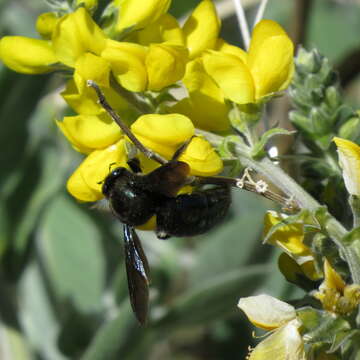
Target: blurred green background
[[63, 291]]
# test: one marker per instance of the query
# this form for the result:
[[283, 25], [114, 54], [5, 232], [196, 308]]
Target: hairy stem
[[292, 189]]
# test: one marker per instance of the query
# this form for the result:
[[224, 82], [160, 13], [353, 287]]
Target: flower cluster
[[154, 53]]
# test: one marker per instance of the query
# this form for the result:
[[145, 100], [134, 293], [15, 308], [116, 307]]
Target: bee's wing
[[137, 270], [167, 179]]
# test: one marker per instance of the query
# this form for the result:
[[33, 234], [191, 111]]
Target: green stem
[[292, 189]]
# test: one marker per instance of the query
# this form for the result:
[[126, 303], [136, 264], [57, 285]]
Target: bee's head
[[111, 179]]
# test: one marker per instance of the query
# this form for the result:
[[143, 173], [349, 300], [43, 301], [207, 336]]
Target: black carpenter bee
[[134, 198]]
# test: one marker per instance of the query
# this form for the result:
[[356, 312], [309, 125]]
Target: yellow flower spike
[[139, 13], [202, 158], [270, 73], [45, 24], [76, 34], [289, 237], [165, 64], [202, 28], [127, 62], [85, 183], [284, 344], [26, 55], [89, 132], [231, 75], [166, 29], [206, 105], [163, 133], [349, 159], [91, 67], [223, 46], [267, 312]]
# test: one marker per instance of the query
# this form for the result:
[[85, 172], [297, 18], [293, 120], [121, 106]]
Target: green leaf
[[36, 314], [342, 338], [214, 298], [321, 326], [258, 149], [70, 247], [115, 336], [230, 245]]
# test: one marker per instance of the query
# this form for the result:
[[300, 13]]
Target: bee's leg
[[134, 165], [103, 102], [181, 149]]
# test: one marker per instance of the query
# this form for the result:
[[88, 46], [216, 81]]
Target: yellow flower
[[166, 133], [76, 34], [290, 238], [335, 295], [205, 104], [202, 28], [349, 159], [166, 29], [248, 77], [86, 182], [202, 158], [88, 132], [27, 56], [163, 133], [139, 13], [165, 64], [270, 313], [127, 61]]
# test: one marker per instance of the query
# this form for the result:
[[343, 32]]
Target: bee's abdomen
[[192, 214]]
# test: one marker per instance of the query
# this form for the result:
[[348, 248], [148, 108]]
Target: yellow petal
[[205, 112], [166, 29], [267, 312], [271, 73], [165, 64], [45, 24], [231, 75], [86, 182], [27, 56], [332, 280], [263, 30], [91, 67], [349, 159], [284, 344], [202, 158], [289, 237], [202, 28], [139, 13], [127, 62], [223, 46], [163, 133], [85, 101], [90, 132], [76, 34], [206, 104]]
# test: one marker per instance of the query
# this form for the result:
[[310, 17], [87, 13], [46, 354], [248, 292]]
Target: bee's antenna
[[102, 100], [110, 166]]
